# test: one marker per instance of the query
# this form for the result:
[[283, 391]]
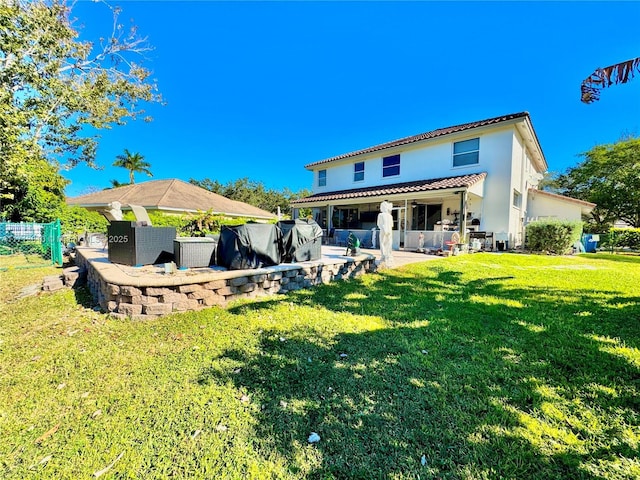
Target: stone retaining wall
[[146, 302]]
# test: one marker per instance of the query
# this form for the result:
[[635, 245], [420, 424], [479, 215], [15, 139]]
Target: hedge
[[622, 238], [552, 236]]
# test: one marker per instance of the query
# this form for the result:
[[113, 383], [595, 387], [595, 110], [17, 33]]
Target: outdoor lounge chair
[[141, 214]]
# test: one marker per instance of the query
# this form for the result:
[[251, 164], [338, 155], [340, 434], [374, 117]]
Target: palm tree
[[116, 184], [134, 162], [605, 77]]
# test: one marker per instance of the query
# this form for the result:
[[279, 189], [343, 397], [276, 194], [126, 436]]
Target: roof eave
[[586, 206], [102, 206], [385, 196], [534, 144], [376, 149], [364, 195]]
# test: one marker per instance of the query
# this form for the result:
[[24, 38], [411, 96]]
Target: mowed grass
[[472, 367]]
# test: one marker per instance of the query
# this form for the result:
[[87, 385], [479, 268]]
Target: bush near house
[[552, 236]]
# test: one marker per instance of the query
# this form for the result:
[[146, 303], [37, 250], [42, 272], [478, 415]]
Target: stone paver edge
[[110, 273]]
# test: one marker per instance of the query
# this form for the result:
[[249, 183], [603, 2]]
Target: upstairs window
[[391, 166], [322, 178], [466, 152], [358, 172]]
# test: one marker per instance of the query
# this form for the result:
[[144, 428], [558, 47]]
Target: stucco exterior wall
[[547, 207], [496, 160], [506, 154], [433, 159]]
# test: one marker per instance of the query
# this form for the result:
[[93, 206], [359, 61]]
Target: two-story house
[[475, 177]]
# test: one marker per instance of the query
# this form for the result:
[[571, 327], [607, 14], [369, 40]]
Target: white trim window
[[466, 152], [517, 199], [391, 166], [322, 178], [358, 172]]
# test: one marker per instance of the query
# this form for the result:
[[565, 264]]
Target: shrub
[[160, 219], [552, 236], [77, 220], [30, 247], [190, 225], [623, 238], [206, 223]]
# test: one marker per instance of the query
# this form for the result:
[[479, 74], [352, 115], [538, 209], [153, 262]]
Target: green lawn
[[483, 366]]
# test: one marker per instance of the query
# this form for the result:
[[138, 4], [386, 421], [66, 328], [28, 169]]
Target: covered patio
[[425, 213]]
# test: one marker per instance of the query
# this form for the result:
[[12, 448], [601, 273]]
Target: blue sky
[[259, 89]]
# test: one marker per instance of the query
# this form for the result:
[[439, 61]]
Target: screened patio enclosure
[[434, 212]]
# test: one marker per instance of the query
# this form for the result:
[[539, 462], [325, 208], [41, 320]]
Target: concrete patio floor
[[400, 257]]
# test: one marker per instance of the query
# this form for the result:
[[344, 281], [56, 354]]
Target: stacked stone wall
[[146, 302]]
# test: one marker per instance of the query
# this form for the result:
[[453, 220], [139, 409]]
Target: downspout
[[463, 215], [404, 224]]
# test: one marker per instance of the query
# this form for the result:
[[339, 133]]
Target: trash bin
[[590, 242]]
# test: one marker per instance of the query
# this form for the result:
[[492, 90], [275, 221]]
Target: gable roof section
[[440, 132], [171, 195], [461, 181], [555, 196]]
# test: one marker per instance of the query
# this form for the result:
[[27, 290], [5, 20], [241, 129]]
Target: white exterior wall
[[541, 206], [431, 160], [518, 183], [503, 156], [496, 160]]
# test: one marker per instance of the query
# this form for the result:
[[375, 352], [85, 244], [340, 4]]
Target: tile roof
[[425, 136], [562, 197], [172, 194], [461, 181]]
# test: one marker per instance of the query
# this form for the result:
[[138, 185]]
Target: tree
[[57, 91], [134, 162], [116, 184], [252, 192], [610, 177], [549, 182], [36, 193], [605, 77]]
